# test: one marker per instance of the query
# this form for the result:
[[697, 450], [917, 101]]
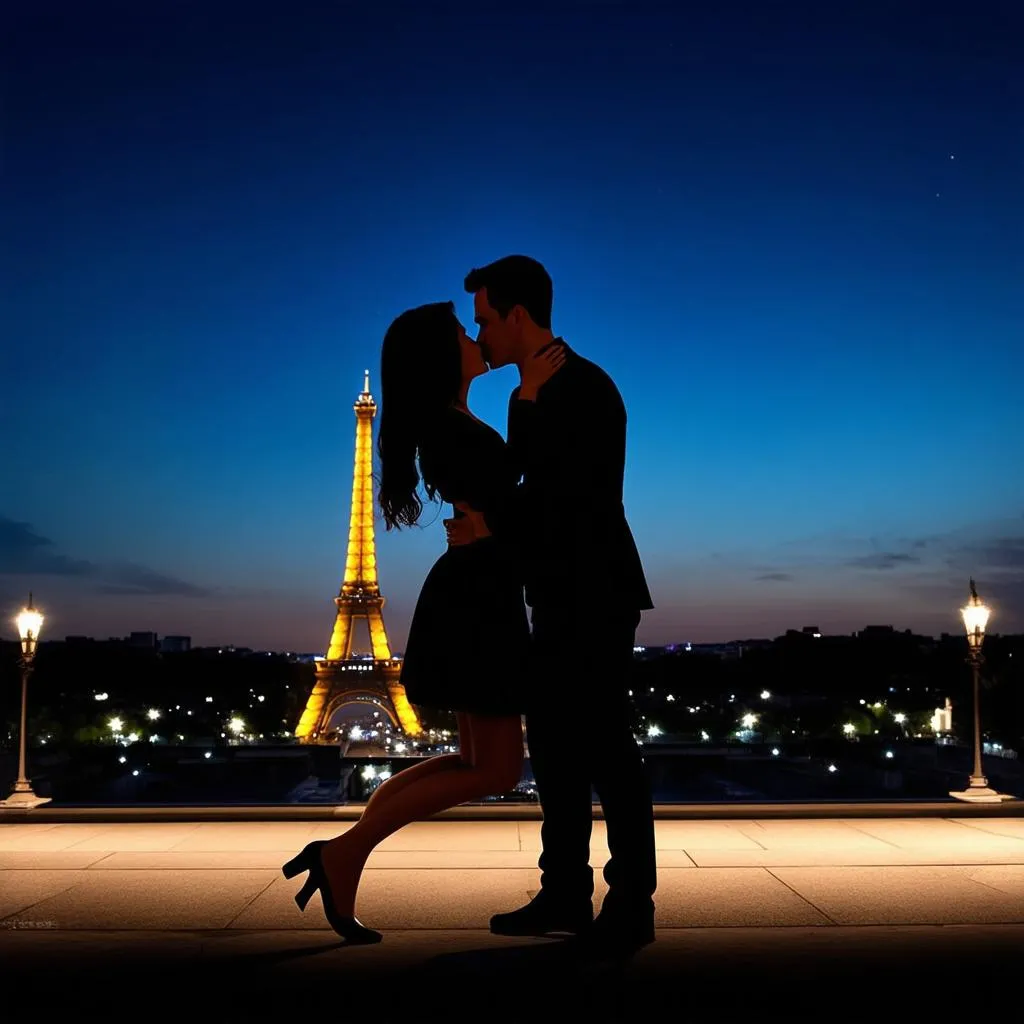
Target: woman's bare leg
[[496, 747], [428, 766]]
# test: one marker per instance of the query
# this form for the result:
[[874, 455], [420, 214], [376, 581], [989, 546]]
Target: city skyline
[[183, 644], [362, 648], [795, 242]]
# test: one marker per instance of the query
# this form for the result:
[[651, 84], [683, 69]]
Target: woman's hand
[[539, 369]]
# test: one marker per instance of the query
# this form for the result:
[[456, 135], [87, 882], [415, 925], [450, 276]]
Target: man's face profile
[[496, 336]]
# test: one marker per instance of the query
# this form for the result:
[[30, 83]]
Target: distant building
[[942, 719], [643, 652], [148, 640], [800, 635], [755, 644], [725, 651], [176, 644]]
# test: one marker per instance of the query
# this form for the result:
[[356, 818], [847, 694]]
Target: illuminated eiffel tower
[[340, 678]]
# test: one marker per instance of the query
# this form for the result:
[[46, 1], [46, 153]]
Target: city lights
[[813, 726]]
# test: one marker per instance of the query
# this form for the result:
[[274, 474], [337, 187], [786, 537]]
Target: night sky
[[793, 236]]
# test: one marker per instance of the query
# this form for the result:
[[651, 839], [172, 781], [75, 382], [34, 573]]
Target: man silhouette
[[585, 584]]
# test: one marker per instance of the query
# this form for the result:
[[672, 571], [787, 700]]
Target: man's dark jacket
[[577, 548]]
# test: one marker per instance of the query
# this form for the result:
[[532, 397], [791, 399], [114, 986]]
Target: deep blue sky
[[793, 234]]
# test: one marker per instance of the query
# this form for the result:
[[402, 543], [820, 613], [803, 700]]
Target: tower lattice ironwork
[[340, 677]]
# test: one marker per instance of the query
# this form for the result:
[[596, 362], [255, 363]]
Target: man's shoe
[[544, 915], [616, 934]]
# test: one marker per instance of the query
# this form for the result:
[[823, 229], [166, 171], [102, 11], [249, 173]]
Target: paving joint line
[[878, 839], [801, 896], [250, 903]]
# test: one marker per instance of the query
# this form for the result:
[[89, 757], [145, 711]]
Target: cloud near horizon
[[883, 560], [918, 579], [838, 582], [24, 552], [935, 570]]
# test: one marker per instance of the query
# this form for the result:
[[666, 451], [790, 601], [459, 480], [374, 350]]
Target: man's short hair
[[515, 281]]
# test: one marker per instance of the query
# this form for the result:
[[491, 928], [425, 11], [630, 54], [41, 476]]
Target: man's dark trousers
[[579, 733]]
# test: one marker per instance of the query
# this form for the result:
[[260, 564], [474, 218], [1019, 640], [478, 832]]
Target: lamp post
[[29, 624], [975, 616]]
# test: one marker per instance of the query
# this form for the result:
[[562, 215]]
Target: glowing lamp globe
[[975, 616], [30, 622]]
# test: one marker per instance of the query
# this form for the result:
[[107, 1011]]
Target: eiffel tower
[[340, 678]]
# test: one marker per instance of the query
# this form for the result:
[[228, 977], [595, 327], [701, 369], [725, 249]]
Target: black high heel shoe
[[308, 859]]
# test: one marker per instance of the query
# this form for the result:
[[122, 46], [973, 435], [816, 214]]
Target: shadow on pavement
[[739, 974]]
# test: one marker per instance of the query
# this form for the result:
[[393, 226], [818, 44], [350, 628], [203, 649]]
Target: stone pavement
[[755, 917]]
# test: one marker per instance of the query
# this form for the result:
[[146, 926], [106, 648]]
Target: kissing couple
[[538, 520]]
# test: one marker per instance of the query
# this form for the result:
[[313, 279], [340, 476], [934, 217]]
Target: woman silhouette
[[469, 637]]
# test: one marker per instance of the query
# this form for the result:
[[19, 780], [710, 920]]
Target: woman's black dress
[[469, 638]]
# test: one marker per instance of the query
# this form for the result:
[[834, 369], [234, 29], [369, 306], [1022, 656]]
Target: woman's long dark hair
[[420, 377]]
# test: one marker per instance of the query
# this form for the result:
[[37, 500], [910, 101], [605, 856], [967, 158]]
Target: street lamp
[[975, 616], [29, 624]]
